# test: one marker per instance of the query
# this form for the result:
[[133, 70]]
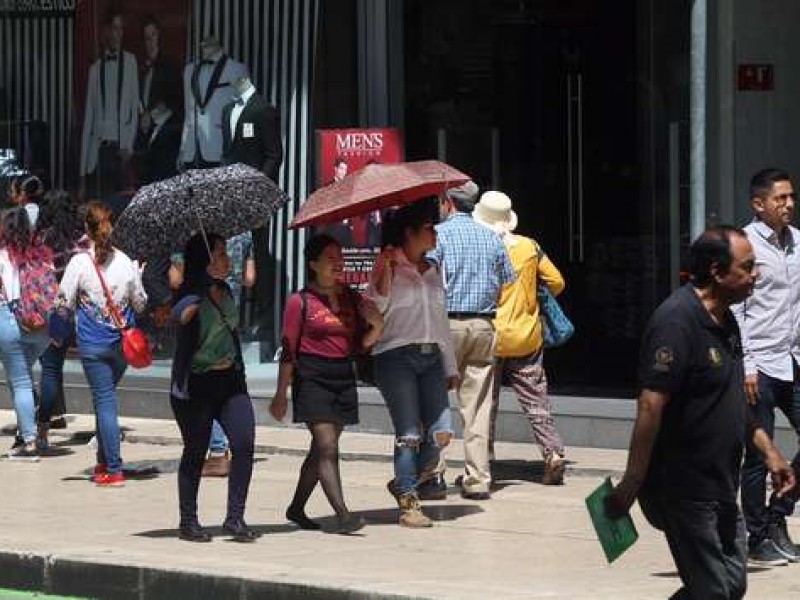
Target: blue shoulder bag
[[556, 327]]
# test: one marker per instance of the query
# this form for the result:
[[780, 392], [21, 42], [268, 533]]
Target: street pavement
[[528, 542]]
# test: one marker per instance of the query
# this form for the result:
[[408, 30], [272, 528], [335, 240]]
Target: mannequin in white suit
[[207, 86], [111, 114]]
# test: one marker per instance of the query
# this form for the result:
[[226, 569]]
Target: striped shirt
[[474, 263]]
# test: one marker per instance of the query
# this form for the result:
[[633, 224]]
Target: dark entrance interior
[[540, 99]]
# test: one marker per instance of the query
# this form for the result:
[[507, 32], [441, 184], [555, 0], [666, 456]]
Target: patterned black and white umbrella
[[227, 201]]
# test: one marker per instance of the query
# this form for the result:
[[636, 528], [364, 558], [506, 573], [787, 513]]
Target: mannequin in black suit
[[251, 135], [159, 80], [159, 146], [256, 139]]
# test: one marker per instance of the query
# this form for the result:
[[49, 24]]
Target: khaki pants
[[473, 341]]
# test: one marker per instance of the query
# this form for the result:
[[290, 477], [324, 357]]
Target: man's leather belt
[[470, 315]]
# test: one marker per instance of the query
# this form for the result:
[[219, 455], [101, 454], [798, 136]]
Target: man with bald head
[[693, 421]]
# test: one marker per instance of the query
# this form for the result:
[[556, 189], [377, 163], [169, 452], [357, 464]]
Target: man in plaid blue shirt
[[475, 266]]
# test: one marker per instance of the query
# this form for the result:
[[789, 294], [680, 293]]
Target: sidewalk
[[61, 534]]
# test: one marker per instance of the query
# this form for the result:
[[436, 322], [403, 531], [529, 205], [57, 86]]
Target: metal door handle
[[570, 169], [575, 166]]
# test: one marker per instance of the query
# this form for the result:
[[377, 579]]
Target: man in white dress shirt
[[111, 114], [208, 87], [770, 324]]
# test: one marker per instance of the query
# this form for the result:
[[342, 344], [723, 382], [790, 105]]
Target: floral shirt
[[82, 291]]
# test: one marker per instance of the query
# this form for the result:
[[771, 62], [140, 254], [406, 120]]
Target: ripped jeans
[[414, 388]]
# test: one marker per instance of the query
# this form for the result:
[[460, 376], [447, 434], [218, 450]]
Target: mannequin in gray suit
[[208, 87]]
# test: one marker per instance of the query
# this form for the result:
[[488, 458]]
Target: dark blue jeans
[[104, 367], [220, 395], [415, 390], [784, 395], [52, 379]]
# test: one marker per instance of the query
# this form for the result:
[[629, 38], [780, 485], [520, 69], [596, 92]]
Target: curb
[[66, 576]]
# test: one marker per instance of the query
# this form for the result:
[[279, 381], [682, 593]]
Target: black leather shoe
[[434, 488], [239, 531], [349, 524], [475, 495], [58, 423], [299, 518], [194, 533]]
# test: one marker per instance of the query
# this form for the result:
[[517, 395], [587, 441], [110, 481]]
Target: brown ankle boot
[[554, 467], [411, 514], [217, 466]]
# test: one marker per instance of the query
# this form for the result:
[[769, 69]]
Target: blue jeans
[[219, 441], [19, 351], [414, 388], [52, 382], [104, 367], [772, 393]]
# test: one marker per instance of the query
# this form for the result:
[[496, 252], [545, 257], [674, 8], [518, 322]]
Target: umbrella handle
[[199, 221]]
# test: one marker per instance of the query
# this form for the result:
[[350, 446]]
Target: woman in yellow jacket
[[519, 344]]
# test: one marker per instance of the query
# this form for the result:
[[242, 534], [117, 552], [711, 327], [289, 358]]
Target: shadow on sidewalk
[[675, 575], [506, 471], [436, 512], [217, 531]]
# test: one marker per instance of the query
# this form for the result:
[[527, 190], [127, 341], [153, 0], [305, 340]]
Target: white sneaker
[[26, 452]]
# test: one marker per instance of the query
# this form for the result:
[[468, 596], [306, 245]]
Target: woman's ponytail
[[99, 228]]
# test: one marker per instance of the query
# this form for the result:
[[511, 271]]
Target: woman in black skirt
[[324, 325]]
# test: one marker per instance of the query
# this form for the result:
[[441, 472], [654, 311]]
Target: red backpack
[[38, 288]]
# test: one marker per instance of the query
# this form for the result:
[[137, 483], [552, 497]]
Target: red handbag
[[135, 345]]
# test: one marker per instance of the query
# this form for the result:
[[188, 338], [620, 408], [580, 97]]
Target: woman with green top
[[208, 382]]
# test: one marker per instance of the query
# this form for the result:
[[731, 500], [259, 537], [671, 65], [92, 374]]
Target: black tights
[[321, 464]]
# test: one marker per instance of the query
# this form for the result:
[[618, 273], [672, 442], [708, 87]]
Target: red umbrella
[[375, 187]]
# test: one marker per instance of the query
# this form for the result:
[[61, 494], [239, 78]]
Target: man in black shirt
[[693, 420]]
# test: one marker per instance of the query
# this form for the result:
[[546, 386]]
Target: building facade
[[620, 129]]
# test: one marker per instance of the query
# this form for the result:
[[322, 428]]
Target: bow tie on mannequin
[[111, 56], [207, 62], [239, 100]]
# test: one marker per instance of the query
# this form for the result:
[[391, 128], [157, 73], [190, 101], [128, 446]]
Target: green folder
[[615, 536]]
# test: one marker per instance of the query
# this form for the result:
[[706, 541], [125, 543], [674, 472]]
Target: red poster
[[343, 151]]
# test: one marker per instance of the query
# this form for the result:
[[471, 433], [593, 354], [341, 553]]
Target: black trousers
[[267, 280], [708, 544], [109, 175], [220, 395]]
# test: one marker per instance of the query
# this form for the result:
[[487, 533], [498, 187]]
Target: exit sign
[[755, 78]]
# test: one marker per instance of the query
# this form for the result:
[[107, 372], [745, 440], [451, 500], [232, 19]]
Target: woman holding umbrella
[[83, 288], [324, 326], [208, 382], [414, 359]]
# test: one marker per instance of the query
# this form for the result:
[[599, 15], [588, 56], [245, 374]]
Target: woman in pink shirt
[[324, 325]]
